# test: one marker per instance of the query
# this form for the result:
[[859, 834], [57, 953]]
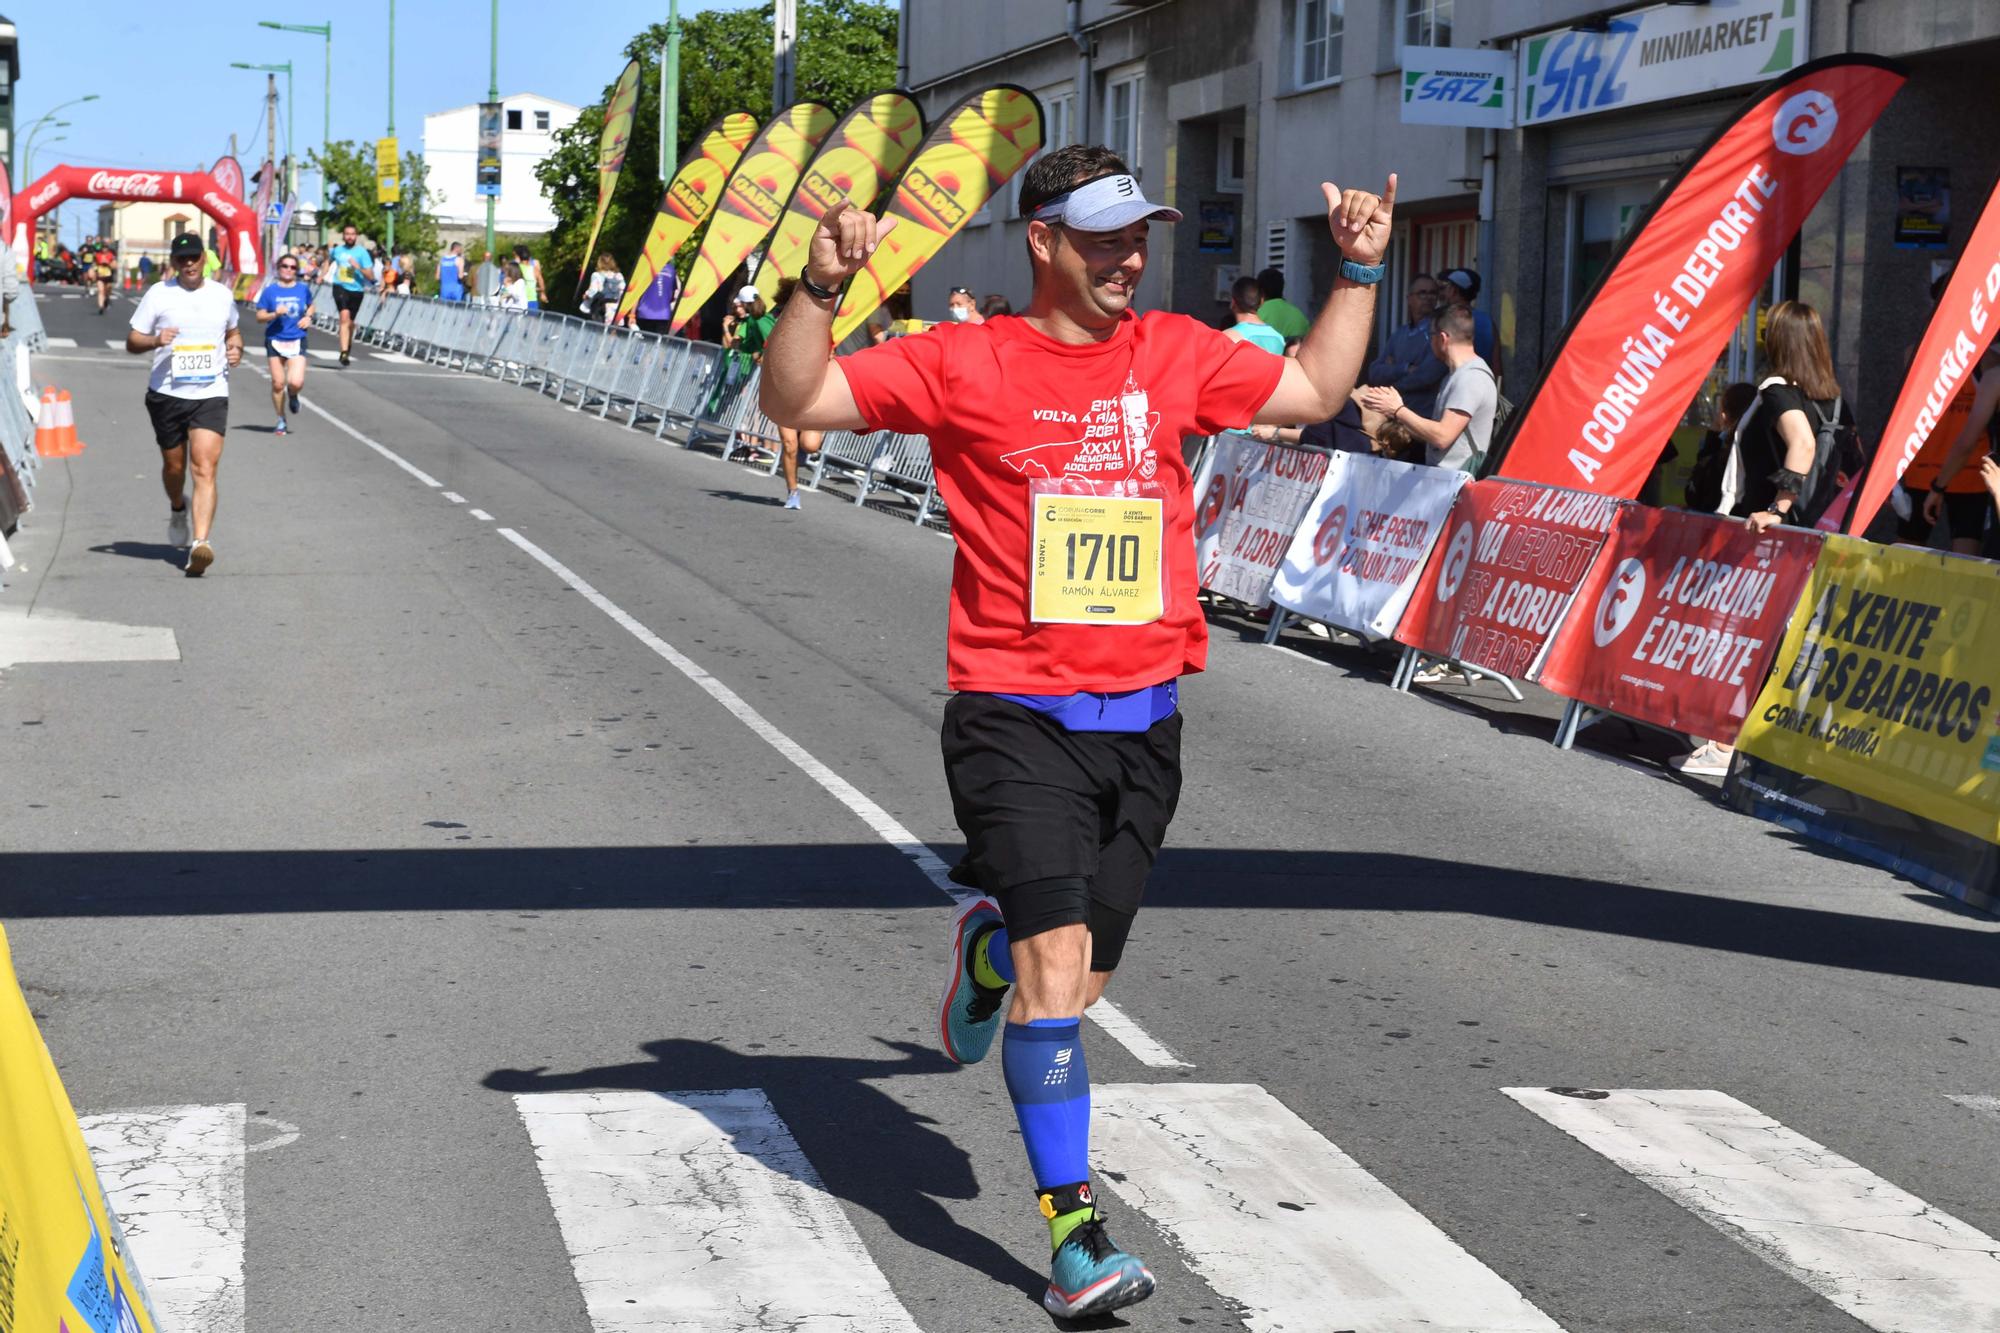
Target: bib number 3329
[[1095, 558], [196, 363]]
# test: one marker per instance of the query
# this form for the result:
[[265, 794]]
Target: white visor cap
[[1109, 203]]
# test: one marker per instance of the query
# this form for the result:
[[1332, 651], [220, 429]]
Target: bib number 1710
[[1117, 552]]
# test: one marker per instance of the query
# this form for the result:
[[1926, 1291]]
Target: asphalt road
[[410, 830]]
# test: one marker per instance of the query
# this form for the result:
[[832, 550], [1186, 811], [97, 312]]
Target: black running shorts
[[347, 299], [1060, 827], [174, 417]]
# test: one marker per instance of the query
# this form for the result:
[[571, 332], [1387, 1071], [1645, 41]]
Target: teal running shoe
[[969, 1018], [1089, 1275]]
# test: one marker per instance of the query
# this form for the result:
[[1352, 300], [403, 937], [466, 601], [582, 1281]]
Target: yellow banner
[[753, 201], [689, 198], [618, 113], [63, 1261], [1886, 683], [974, 150], [867, 150], [388, 175]]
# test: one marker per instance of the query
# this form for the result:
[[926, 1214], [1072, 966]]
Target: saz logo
[[934, 197]]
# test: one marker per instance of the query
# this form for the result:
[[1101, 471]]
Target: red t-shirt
[[1004, 404]]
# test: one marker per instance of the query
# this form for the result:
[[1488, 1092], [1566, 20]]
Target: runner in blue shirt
[[353, 271], [451, 274], [284, 308]]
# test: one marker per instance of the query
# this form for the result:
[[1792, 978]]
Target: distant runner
[[1056, 437], [284, 308], [451, 273], [189, 325], [353, 272], [104, 271]]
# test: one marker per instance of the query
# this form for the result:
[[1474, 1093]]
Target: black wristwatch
[[813, 289], [1939, 486]]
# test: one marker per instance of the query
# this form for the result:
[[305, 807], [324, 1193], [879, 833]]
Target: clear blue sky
[[168, 98]]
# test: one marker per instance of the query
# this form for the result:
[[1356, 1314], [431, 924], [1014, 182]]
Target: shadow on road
[[868, 876], [870, 1150], [171, 555], [744, 497]]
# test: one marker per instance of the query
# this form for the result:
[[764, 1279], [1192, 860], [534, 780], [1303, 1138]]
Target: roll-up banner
[[973, 150], [1498, 582], [7, 210], [1253, 499], [1649, 332], [1958, 336], [64, 1264], [611, 145], [228, 173], [868, 149], [1678, 621], [753, 200], [1356, 558], [689, 198]]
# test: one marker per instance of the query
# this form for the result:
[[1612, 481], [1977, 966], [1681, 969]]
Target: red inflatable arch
[[239, 227]]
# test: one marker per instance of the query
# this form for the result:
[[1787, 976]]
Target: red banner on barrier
[[1677, 621], [1957, 337], [1646, 337], [1498, 582]]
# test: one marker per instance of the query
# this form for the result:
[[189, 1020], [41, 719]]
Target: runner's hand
[[843, 241], [166, 336], [232, 353], [1360, 221]]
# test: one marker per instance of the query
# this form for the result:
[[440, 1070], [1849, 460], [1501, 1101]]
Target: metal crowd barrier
[[640, 379], [19, 464]]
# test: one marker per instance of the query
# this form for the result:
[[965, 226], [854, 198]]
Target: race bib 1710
[[1095, 559]]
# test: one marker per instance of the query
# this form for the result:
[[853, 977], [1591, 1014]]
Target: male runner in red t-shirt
[[1056, 437]]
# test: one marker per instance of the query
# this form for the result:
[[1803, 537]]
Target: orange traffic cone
[[55, 427]]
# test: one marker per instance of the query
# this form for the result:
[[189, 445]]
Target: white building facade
[[529, 123]]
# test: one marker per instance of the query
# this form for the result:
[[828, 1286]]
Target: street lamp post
[[28, 150], [286, 70], [492, 95], [53, 138], [389, 210], [326, 130], [37, 122]]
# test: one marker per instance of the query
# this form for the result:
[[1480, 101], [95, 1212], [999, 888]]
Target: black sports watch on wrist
[[1939, 486], [813, 289]]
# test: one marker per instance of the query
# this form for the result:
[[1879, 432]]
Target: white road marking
[[54, 638], [1284, 1224], [386, 452], [115, 344], [1984, 1105], [454, 497], [321, 354], [1878, 1252], [696, 1212], [174, 1174], [62, 342], [481, 515], [397, 357]]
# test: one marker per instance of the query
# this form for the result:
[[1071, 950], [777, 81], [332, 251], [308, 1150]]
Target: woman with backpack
[[1788, 445], [606, 290]]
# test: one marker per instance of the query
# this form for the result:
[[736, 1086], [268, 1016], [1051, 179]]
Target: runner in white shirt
[[189, 325]]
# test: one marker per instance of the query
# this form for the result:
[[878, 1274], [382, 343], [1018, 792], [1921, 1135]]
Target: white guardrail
[[18, 405], [643, 380]]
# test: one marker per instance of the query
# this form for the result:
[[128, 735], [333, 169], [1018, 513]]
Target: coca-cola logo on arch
[[129, 184], [219, 205], [40, 198]]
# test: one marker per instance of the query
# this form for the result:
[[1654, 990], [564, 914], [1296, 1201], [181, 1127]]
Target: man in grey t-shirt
[[1463, 428]]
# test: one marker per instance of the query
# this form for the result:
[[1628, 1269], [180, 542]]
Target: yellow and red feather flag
[[611, 145], [689, 198], [974, 149], [754, 200], [868, 149]]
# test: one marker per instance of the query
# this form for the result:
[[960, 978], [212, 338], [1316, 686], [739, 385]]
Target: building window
[[1316, 32], [1426, 23], [1124, 95], [1230, 152], [542, 121], [1058, 130], [513, 120]]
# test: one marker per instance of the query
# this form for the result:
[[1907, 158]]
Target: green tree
[[846, 51], [350, 197]]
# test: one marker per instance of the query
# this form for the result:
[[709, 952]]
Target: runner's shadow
[[172, 555], [869, 1149], [744, 497]]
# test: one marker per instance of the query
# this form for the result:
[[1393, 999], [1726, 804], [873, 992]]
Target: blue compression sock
[[998, 957], [1050, 1089]]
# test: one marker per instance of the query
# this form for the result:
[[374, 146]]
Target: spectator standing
[[531, 271], [1406, 363], [145, 270], [995, 304], [1275, 310], [514, 291], [1460, 286], [1245, 299], [961, 308], [1945, 470], [606, 289], [1778, 441], [1703, 492], [654, 311], [1463, 427], [451, 273]]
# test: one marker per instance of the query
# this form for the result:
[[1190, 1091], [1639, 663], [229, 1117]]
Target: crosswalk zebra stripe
[[174, 1175], [1283, 1223], [61, 342], [1878, 1252], [697, 1212], [321, 354], [115, 344]]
